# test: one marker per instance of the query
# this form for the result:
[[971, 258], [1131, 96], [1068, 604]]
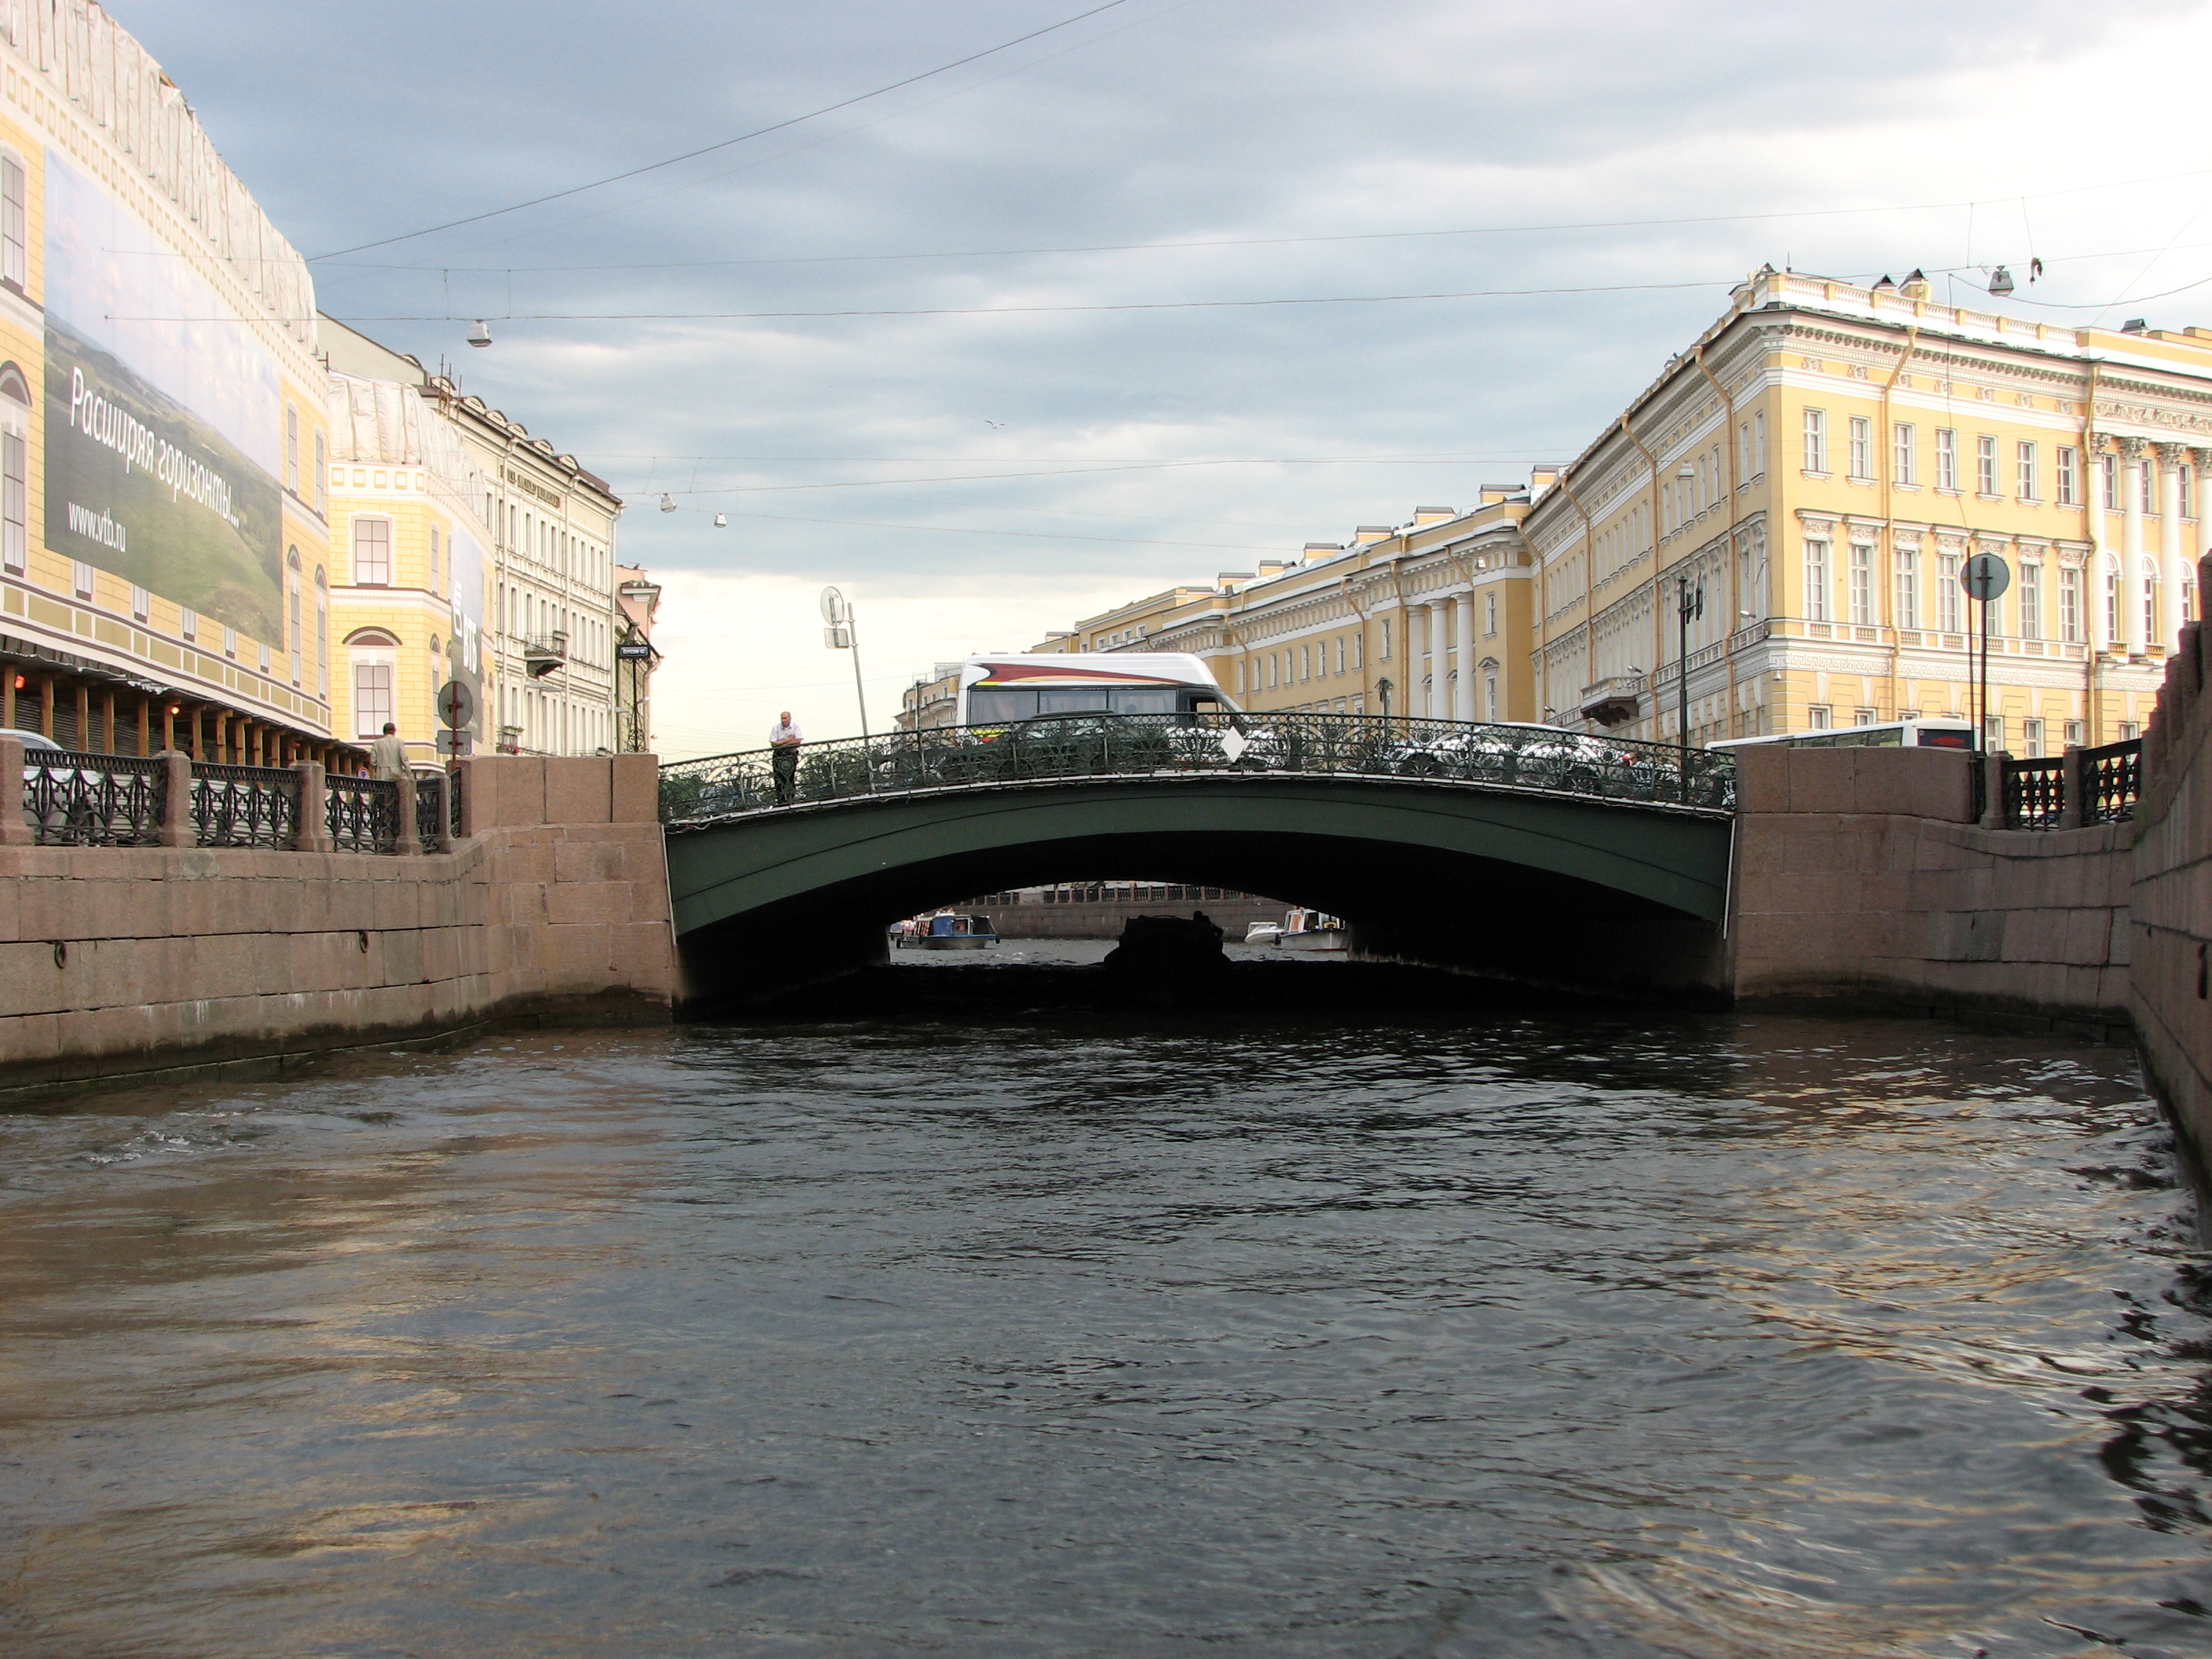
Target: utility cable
[[708, 149]]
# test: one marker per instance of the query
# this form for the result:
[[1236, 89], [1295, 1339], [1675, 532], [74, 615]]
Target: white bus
[[1890, 734], [1002, 689]]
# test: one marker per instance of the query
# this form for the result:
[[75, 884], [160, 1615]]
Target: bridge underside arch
[[1543, 888]]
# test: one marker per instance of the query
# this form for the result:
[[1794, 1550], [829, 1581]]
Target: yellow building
[[1821, 463], [407, 610], [163, 536], [1429, 619]]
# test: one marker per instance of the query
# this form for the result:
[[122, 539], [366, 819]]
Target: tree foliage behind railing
[[1140, 745]]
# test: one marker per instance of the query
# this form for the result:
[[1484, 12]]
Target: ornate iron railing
[[245, 806], [71, 799], [2034, 793], [430, 808], [1124, 745], [2111, 779], [363, 814], [454, 806]]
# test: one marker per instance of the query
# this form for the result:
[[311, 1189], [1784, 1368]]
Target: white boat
[[1263, 933], [1310, 930], [947, 932]]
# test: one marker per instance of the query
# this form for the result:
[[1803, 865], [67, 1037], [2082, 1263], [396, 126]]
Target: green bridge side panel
[[1675, 859]]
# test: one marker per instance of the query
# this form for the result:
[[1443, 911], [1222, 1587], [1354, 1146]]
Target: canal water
[[1129, 1334]]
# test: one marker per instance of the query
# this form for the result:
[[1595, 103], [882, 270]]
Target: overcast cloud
[[1157, 120]]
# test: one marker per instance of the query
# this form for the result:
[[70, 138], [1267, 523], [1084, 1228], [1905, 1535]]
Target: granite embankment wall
[[551, 906], [1860, 880]]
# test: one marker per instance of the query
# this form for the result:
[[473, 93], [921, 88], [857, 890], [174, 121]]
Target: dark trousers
[[786, 765]]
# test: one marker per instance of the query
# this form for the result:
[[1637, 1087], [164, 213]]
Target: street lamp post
[[1689, 606], [1986, 578], [843, 633]]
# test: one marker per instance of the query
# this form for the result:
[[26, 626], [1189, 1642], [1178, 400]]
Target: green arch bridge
[[1539, 854]]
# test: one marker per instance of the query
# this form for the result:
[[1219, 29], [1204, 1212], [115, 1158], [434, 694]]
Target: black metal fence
[[363, 814], [94, 800], [430, 808], [1139, 745], [2036, 791], [245, 806]]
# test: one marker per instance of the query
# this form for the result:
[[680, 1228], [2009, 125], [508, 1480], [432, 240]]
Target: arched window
[[373, 655], [294, 635]]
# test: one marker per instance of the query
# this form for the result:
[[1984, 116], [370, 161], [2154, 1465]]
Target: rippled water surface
[[1716, 1337]]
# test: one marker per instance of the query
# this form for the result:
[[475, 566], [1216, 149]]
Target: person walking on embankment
[[783, 741], [387, 756]]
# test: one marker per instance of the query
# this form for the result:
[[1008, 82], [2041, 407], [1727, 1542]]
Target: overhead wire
[[725, 143]]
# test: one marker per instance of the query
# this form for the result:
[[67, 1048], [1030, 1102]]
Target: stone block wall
[[1860, 879], [551, 906], [2170, 976]]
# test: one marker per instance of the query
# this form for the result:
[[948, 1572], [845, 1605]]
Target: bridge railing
[[1140, 745]]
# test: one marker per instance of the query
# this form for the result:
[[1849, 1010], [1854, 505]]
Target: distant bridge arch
[[1598, 879]]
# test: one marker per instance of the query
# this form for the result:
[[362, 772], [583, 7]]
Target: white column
[[2173, 569], [1439, 663], [2094, 573], [1463, 703], [2131, 544], [2202, 459]]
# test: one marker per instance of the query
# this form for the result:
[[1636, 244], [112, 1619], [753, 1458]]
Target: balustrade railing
[[2036, 791], [71, 799], [1122, 745], [362, 814], [245, 806], [454, 806], [2111, 779]]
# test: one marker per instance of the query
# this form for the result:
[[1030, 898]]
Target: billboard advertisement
[[163, 415]]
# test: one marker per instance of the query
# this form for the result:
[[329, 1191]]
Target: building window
[[141, 603], [1816, 440], [2069, 482], [1861, 447], [2105, 464], [1906, 462], [1386, 639], [1950, 596], [2031, 738], [2113, 605], [2129, 730], [1359, 648], [1861, 584], [322, 480], [14, 503], [292, 449], [1816, 579], [2069, 604], [230, 642], [2150, 603], [1993, 738], [322, 634], [15, 264], [1490, 696], [1758, 441], [81, 577], [2078, 732], [1819, 717], [292, 612], [2146, 476], [1946, 458], [372, 698], [2031, 601], [1985, 464], [1489, 615], [1908, 588], [2029, 488], [1865, 716], [2188, 490], [188, 623], [372, 552]]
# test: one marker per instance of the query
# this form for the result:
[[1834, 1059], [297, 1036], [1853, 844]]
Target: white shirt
[[784, 731]]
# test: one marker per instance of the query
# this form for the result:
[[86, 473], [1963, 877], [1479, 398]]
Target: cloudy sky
[[1081, 404]]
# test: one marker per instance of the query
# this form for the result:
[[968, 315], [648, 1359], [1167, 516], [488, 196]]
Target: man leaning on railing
[[783, 739]]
